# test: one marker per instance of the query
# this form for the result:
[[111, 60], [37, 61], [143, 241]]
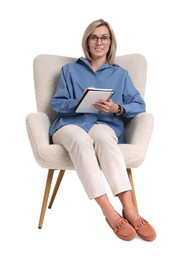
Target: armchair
[[54, 157]]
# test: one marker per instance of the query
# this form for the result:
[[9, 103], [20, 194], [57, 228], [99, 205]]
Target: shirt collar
[[84, 61]]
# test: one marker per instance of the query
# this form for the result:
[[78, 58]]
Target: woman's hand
[[106, 106]]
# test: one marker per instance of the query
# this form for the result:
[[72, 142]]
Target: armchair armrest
[[46, 155], [38, 125], [139, 129]]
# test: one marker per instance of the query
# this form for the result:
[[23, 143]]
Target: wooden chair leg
[[133, 189], [59, 179], [45, 198]]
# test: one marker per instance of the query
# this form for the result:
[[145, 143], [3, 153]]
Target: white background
[[75, 228]]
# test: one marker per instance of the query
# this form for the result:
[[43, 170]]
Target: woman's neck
[[95, 64]]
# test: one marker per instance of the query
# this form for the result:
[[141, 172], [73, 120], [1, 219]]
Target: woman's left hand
[[106, 106]]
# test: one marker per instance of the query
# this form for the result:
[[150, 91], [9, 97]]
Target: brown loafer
[[144, 229], [123, 229]]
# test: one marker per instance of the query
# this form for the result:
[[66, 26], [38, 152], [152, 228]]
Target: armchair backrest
[[47, 67]]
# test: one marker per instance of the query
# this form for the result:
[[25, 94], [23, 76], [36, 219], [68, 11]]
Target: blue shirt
[[75, 77]]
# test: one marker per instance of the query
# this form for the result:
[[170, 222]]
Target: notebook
[[90, 96]]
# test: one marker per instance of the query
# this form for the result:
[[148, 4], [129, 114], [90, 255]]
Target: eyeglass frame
[[101, 38]]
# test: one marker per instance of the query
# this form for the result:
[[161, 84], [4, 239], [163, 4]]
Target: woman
[[92, 139]]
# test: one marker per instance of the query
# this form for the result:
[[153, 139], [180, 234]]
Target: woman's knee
[[103, 135], [71, 135]]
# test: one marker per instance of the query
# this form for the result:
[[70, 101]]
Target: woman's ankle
[[107, 209], [131, 215]]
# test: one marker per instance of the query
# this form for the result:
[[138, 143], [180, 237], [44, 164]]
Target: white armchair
[[54, 157]]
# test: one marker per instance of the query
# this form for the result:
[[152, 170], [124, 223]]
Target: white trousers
[[94, 153]]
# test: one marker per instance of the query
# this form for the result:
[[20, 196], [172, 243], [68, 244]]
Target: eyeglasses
[[104, 39]]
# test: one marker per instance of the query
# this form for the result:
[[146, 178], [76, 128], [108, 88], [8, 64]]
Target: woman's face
[[99, 42]]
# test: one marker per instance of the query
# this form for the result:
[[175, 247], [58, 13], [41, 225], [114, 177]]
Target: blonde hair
[[91, 27]]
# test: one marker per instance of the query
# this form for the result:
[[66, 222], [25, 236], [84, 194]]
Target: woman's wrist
[[120, 110], [116, 108]]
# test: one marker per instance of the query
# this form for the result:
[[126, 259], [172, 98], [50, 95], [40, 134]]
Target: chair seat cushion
[[54, 156]]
